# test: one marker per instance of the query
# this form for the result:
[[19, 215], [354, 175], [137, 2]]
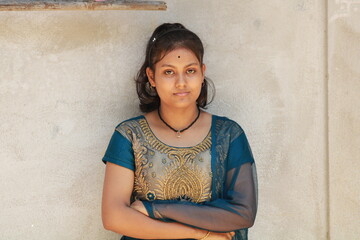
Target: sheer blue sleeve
[[119, 151], [235, 209], [239, 152]]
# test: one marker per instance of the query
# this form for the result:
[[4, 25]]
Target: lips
[[181, 94]]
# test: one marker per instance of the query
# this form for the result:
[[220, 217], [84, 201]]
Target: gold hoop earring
[[151, 89]]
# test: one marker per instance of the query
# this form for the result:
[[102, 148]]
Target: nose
[[181, 81]]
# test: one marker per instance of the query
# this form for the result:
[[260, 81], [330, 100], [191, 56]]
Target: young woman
[[178, 172]]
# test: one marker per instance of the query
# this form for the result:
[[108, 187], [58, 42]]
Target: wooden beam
[[47, 5]]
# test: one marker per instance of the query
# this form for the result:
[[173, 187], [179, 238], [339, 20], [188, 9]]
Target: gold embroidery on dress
[[141, 186], [183, 178], [163, 148]]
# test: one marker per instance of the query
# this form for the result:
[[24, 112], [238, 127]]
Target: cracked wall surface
[[66, 80]]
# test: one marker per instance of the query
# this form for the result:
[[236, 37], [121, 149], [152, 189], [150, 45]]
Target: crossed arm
[[118, 216]]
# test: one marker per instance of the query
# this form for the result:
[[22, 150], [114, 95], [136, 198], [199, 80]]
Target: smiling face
[[178, 78]]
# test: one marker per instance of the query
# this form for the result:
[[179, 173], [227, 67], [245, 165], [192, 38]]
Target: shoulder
[[225, 125], [129, 122], [130, 126]]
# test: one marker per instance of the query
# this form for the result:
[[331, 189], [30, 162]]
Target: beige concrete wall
[[344, 119], [66, 80]]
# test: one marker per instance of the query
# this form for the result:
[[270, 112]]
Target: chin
[[186, 105], [182, 104]]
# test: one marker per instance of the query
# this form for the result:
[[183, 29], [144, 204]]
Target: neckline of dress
[[189, 147]]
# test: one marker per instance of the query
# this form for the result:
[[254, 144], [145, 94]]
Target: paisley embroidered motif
[[185, 181], [141, 186]]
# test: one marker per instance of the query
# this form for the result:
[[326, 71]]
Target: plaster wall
[[344, 119], [66, 80]]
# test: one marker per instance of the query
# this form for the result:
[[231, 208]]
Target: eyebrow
[[169, 65]]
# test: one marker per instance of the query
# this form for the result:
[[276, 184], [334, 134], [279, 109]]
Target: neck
[[178, 118]]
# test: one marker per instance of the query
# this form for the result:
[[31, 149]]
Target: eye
[[169, 72], [190, 71]]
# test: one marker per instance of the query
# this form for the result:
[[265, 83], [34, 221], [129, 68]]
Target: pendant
[[178, 134]]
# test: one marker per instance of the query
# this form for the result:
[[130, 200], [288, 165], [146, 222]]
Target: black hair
[[165, 38]]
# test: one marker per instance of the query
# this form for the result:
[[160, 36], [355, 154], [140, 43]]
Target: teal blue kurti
[[210, 186]]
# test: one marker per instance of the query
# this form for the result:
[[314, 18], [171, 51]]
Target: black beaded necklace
[[182, 130]]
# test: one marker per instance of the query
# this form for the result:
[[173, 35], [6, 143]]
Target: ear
[[203, 69], [150, 74]]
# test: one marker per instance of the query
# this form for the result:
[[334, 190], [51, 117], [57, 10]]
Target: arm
[[236, 210], [118, 216]]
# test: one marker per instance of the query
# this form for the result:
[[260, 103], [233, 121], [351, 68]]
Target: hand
[[139, 206], [220, 236]]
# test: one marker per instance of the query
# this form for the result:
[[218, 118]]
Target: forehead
[[179, 55]]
